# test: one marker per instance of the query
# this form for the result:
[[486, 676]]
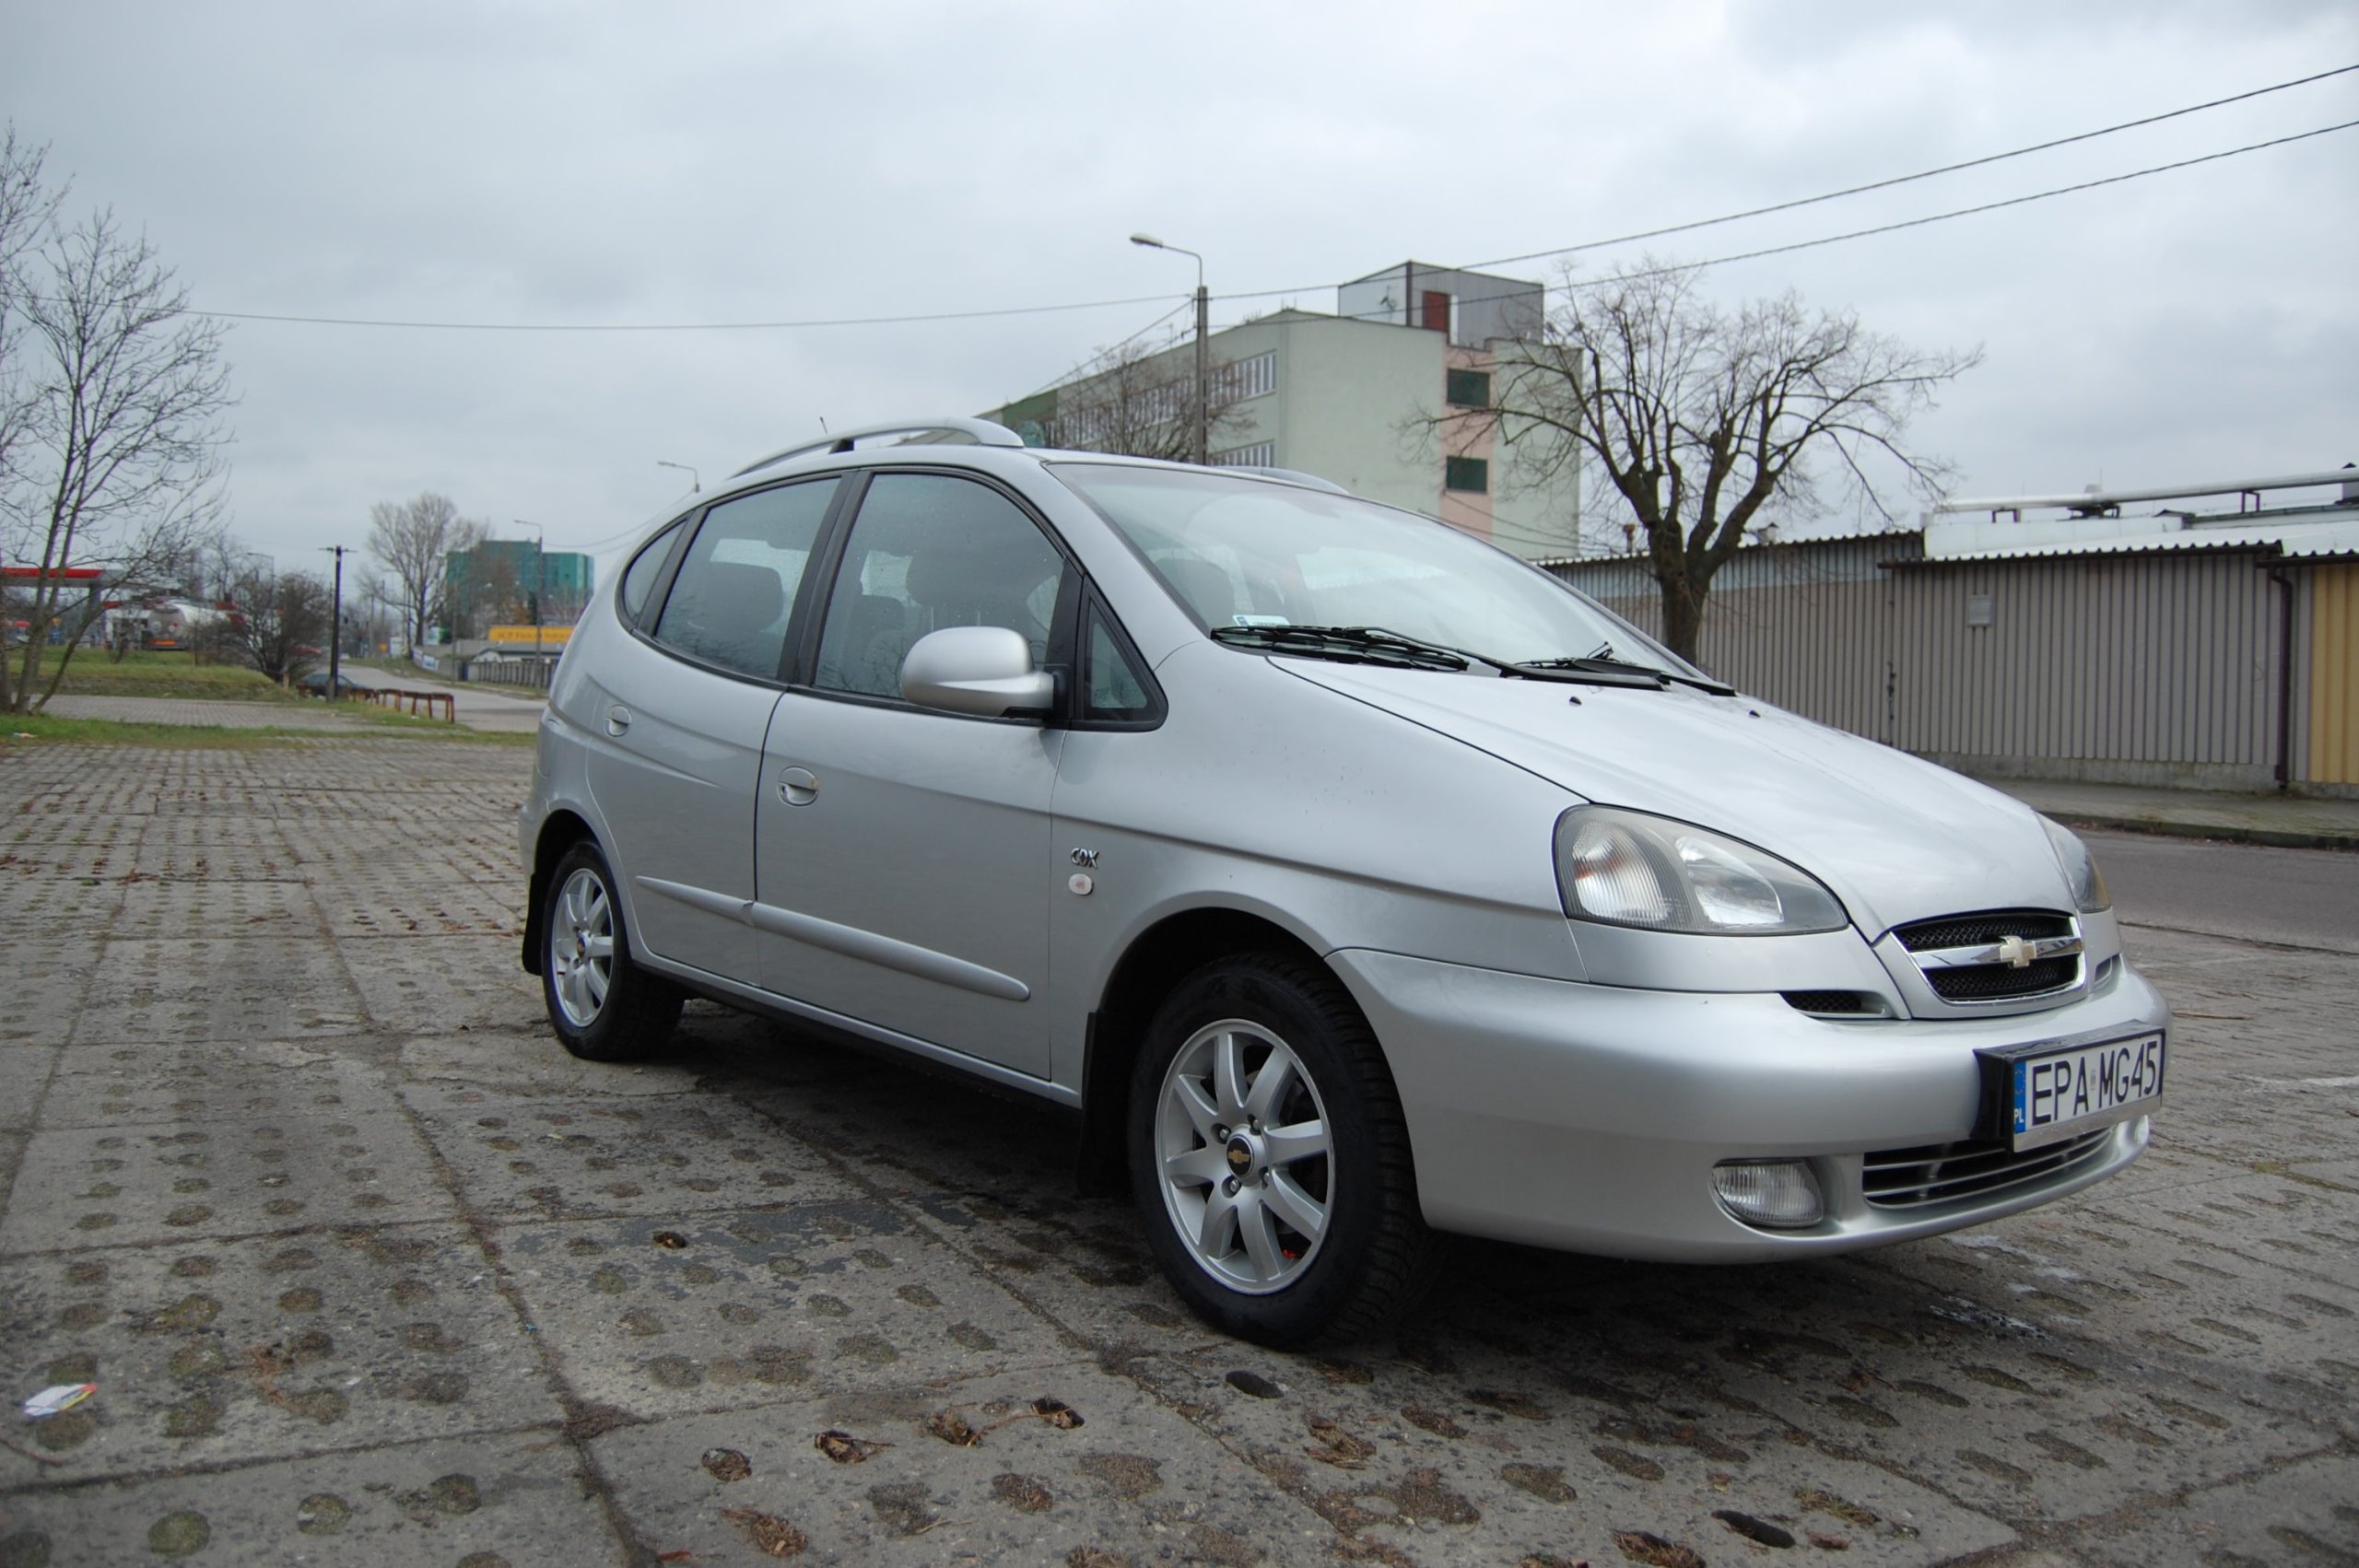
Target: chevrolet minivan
[[1353, 881]]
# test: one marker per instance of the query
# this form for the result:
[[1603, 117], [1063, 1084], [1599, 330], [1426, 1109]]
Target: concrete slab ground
[[368, 1270]]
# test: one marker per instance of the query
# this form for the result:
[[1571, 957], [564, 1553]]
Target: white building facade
[[1384, 398]]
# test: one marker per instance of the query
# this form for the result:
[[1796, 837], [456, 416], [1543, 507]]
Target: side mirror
[[985, 670]]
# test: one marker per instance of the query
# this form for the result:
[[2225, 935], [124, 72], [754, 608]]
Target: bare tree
[[281, 624], [1707, 426], [1141, 403], [27, 213], [413, 540], [116, 394]]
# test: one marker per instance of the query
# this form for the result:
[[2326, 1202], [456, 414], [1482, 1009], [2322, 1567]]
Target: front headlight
[[2081, 874], [1629, 869]]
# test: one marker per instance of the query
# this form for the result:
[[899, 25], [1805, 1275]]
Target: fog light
[[1776, 1194]]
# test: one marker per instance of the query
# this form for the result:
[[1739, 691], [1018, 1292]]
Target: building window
[[1261, 454], [1466, 474], [1242, 378], [1470, 389]]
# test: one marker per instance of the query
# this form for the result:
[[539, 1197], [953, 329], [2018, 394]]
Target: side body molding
[[892, 954], [850, 940]]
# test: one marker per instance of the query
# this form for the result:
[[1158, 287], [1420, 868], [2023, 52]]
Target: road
[[478, 707], [2291, 897]]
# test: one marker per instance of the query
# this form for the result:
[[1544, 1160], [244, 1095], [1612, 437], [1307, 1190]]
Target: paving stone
[[662, 1315], [439, 984], [200, 1081], [449, 1069], [671, 1156], [215, 848], [24, 1074], [42, 906], [511, 1500], [126, 1184], [163, 908], [1132, 1479], [210, 987], [57, 974], [2302, 1512], [216, 1352]]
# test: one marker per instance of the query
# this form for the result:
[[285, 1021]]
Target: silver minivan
[[1353, 881]]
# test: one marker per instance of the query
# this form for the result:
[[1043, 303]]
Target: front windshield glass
[[1244, 552]]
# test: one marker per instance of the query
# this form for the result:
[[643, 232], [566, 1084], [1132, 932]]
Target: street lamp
[[1203, 313], [540, 583], [694, 486]]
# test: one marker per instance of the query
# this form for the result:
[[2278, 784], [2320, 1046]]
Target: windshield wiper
[[1348, 645], [1605, 664]]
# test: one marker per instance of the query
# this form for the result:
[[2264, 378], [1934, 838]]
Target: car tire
[[1270, 1158], [603, 1005]]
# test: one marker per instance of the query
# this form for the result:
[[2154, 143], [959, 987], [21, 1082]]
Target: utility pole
[[1203, 331], [335, 629]]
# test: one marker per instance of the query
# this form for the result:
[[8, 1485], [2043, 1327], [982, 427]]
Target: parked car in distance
[[1353, 882]]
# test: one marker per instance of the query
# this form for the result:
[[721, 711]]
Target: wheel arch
[[1157, 959], [559, 832]]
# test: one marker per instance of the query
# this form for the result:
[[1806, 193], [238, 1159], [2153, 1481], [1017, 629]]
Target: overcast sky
[[618, 164]]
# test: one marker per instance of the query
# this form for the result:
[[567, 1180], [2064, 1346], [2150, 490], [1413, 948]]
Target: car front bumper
[[1590, 1117]]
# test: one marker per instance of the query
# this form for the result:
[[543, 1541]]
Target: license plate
[[2045, 1093]]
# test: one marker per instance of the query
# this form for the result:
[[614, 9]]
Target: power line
[[1859, 190], [1921, 174], [674, 326], [1905, 222], [927, 318], [1987, 206]]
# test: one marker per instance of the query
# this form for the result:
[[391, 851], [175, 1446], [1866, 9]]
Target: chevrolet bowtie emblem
[[2017, 952]]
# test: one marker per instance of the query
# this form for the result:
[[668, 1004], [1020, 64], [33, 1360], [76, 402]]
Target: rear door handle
[[617, 719], [798, 787]]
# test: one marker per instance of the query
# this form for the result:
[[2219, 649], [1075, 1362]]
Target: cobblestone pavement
[[369, 1271]]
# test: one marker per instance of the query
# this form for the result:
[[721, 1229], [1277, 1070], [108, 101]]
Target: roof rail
[[947, 430], [1291, 475]]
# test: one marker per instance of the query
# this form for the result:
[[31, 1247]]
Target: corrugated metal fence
[[2156, 667]]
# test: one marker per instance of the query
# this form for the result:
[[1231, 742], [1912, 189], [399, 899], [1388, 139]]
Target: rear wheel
[[1268, 1157], [603, 1006]]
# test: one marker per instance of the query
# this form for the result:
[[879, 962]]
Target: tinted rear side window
[[639, 578], [729, 604]]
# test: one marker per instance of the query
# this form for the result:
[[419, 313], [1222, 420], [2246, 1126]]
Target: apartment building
[[1366, 397]]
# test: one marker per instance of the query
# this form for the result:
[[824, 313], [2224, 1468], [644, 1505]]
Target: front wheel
[[604, 1007], [1269, 1159]]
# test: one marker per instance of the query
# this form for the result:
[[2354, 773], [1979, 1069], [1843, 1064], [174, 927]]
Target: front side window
[[930, 551], [1112, 688], [1243, 552], [730, 602]]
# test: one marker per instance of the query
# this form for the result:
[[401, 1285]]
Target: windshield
[[1243, 552]]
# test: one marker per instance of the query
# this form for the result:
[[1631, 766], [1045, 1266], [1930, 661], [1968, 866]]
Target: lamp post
[[540, 583], [694, 488], [1203, 314]]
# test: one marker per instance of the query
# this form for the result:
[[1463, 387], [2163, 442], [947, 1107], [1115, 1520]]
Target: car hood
[[1896, 838]]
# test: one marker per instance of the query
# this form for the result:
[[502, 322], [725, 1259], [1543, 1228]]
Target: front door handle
[[798, 787], [617, 719]]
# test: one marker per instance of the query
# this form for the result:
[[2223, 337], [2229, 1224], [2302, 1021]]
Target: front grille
[[1942, 1172], [1996, 982], [1968, 931], [1960, 955]]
